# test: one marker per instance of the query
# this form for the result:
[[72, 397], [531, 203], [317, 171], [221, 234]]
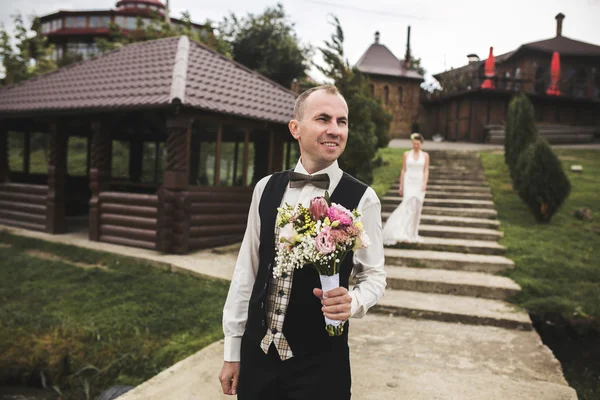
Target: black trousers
[[323, 376]]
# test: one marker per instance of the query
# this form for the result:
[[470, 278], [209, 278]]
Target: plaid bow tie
[[298, 180]]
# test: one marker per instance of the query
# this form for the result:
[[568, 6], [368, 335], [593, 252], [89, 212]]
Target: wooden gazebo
[[172, 136]]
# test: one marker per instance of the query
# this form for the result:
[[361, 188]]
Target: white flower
[[288, 235]]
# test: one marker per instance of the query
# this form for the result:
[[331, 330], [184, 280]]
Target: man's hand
[[337, 303], [229, 377]]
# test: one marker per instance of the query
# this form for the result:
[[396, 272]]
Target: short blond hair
[[417, 136], [300, 104]]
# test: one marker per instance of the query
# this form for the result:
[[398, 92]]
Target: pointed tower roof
[[379, 60]]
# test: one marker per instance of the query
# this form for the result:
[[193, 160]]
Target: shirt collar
[[334, 171]]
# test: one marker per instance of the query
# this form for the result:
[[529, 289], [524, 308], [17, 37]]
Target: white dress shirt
[[368, 263]]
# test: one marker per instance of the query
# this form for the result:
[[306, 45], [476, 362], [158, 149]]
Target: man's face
[[322, 132]]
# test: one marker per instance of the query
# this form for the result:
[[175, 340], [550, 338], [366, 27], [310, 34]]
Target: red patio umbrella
[[553, 89], [489, 71]]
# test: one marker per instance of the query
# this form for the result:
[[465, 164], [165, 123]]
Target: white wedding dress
[[403, 224]]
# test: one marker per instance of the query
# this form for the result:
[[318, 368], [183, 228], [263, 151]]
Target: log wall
[[23, 205]]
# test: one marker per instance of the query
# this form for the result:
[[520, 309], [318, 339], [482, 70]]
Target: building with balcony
[[464, 111], [76, 31]]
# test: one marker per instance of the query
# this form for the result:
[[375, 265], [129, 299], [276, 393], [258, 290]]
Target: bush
[[520, 131], [541, 181]]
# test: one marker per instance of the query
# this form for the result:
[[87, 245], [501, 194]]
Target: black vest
[[304, 324]]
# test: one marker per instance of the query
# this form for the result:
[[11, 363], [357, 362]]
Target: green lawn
[[558, 263], [388, 173], [79, 317]]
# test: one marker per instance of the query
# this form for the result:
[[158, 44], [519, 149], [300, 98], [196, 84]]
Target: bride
[[403, 224]]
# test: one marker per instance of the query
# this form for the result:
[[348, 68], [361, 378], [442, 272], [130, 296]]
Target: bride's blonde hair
[[417, 136]]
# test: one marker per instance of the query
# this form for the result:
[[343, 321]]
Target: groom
[[276, 346]]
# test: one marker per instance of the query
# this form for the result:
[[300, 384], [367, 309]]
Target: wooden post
[[194, 156], [235, 161], [173, 220], [57, 163], [217, 171], [245, 161], [26, 152], [271, 150], [4, 167], [100, 171]]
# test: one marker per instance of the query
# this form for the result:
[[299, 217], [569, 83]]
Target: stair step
[[441, 194], [389, 203], [447, 260], [459, 232], [449, 308], [459, 283], [456, 188], [458, 212], [454, 245], [454, 221], [456, 182]]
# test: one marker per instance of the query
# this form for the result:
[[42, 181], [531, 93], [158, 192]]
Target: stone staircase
[[451, 276]]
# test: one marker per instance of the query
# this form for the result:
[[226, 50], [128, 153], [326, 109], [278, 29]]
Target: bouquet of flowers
[[319, 236]]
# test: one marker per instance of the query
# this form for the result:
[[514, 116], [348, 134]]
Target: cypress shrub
[[520, 131], [542, 183]]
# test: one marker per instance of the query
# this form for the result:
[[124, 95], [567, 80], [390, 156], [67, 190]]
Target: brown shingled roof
[[153, 74], [378, 59], [565, 46]]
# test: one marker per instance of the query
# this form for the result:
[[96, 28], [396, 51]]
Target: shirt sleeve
[[369, 272], [235, 312]]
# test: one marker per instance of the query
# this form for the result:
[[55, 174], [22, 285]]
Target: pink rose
[[318, 208], [339, 213], [324, 242]]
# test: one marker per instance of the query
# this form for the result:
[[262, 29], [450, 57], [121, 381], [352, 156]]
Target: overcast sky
[[443, 32]]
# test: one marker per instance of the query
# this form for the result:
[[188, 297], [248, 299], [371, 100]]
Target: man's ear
[[294, 127]]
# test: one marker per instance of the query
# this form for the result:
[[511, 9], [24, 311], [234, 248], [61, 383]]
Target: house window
[[16, 151], [38, 153], [131, 23], [120, 21], [105, 22], [386, 94], [77, 156], [80, 22], [372, 88], [400, 95], [120, 159], [142, 5], [70, 22], [45, 27], [152, 162], [94, 21]]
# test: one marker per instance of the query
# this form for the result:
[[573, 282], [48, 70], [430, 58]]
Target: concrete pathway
[[461, 341]]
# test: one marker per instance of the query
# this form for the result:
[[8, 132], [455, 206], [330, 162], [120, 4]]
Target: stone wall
[[404, 108]]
